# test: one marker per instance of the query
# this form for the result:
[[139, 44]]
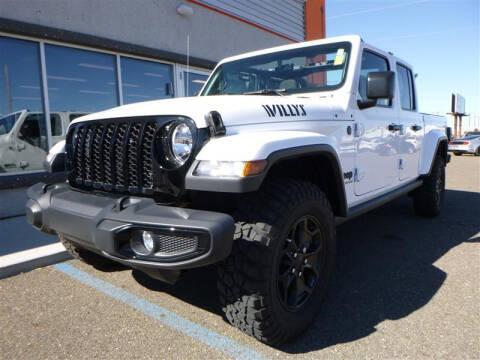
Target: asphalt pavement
[[405, 287]]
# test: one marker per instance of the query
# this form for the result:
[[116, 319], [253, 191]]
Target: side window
[[30, 131], [405, 85], [370, 63]]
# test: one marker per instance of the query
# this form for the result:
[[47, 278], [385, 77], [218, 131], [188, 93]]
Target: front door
[[30, 143], [376, 149]]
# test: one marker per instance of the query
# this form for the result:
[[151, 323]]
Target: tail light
[[465, 143]]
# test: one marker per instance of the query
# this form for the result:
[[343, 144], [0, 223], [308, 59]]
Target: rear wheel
[[97, 261], [428, 199], [477, 152], [272, 284]]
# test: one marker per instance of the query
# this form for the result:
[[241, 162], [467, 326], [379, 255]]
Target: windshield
[[7, 122], [309, 69]]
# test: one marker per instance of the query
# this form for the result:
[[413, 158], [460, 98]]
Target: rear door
[[376, 152], [410, 137]]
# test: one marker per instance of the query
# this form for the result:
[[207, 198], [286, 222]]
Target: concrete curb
[[28, 260]]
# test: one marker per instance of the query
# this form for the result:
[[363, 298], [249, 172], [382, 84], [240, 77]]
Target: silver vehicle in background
[[469, 144]]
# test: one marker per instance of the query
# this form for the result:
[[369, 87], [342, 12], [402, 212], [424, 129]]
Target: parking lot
[[405, 287]]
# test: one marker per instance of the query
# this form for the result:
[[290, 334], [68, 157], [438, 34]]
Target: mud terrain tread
[[242, 276]]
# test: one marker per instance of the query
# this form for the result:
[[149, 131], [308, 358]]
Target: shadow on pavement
[[385, 270]]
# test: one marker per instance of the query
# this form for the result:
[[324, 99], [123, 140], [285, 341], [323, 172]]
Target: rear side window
[[371, 63], [405, 85]]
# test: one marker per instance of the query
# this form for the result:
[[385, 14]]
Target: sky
[[439, 38]]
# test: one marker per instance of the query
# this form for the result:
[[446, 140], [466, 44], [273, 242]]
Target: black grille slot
[[113, 156], [146, 158]]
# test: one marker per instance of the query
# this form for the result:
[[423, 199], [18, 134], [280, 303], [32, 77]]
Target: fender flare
[[316, 150], [434, 142]]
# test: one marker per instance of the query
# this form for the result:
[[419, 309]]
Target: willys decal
[[285, 110]]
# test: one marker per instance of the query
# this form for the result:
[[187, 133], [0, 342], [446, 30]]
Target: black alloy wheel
[[301, 263]]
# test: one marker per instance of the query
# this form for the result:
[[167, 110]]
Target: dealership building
[[63, 59]]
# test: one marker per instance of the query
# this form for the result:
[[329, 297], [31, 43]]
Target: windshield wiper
[[280, 92]]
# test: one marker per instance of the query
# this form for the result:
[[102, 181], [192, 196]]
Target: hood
[[234, 109]]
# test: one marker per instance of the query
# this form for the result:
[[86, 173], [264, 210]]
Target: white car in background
[[469, 144]]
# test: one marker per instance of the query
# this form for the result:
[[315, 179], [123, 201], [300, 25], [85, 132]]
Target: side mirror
[[380, 85]]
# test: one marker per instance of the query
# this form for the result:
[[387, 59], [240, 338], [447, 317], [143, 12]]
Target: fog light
[[143, 243], [147, 238]]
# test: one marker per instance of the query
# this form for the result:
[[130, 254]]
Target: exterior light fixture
[[184, 10]]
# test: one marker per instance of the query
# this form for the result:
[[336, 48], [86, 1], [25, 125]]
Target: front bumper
[[103, 223]]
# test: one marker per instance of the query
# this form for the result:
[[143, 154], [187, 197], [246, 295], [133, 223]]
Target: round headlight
[[181, 143]]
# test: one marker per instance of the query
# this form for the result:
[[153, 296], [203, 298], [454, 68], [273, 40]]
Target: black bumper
[[103, 223]]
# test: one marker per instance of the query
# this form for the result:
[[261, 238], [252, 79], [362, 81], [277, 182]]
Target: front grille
[[113, 156]]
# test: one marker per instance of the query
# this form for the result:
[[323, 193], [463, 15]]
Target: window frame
[[373, 52], [411, 84]]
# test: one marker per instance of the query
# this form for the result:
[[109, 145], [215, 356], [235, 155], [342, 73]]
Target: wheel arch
[[318, 164]]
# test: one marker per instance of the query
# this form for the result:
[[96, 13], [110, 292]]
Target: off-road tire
[[428, 199], [247, 279], [88, 257]]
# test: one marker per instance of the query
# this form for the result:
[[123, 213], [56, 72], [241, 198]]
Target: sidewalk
[[23, 248]]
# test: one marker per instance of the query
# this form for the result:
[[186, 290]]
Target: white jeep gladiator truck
[[252, 175]]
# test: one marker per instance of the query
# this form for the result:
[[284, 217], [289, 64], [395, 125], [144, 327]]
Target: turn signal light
[[254, 167]]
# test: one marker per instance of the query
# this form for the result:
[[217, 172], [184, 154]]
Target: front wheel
[[428, 199], [477, 152], [283, 256], [457, 153]]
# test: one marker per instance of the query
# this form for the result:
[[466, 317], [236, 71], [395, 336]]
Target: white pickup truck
[[23, 140], [252, 175]]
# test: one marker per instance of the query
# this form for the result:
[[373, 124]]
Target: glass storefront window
[[193, 83], [23, 140], [80, 81], [145, 80]]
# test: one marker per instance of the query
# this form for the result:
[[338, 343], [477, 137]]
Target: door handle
[[20, 147], [395, 127], [416, 127]]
